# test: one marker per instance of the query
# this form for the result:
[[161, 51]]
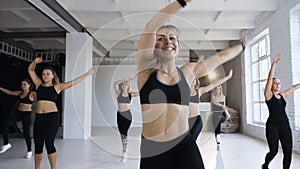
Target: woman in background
[[23, 113], [124, 116], [277, 125], [195, 120], [220, 112]]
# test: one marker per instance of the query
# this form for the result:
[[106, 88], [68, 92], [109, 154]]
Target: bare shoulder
[[143, 76], [188, 71]]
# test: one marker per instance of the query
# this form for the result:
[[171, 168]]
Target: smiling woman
[[165, 92], [47, 117]]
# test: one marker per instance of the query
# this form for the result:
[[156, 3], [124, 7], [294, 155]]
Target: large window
[[260, 66]]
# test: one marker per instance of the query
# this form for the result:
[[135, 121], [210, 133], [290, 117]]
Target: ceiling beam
[[30, 35]]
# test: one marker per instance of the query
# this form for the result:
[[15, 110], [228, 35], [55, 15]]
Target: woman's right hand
[[38, 60]]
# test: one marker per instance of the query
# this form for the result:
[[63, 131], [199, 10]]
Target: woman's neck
[[124, 92], [26, 90], [48, 84]]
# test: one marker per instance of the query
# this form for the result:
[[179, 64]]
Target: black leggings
[[124, 120], [283, 134], [179, 153], [25, 117], [195, 126], [218, 118], [44, 131]]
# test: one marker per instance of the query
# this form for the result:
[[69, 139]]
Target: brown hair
[[29, 82], [55, 80]]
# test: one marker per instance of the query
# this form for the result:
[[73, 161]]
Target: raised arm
[[118, 82], [268, 89], [9, 92], [145, 58], [62, 86], [31, 70], [215, 83]]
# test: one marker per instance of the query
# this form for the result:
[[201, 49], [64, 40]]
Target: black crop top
[[46, 93], [26, 99], [155, 92], [277, 111], [195, 98], [122, 99]]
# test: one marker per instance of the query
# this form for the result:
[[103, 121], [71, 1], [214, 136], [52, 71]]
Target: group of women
[[168, 93], [169, 98], [46, 121]]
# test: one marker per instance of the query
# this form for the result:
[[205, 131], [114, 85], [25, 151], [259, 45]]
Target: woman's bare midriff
[[43, 107], [24, 107], [164, 122], [194, 110], [123, 107]]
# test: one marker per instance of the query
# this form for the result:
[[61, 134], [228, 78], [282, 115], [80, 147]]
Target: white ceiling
[[117, 24]]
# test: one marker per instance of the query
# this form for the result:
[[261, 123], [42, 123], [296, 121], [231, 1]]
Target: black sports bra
[[155, 92], [26, 99], [46, 93], [122, 99], [195, 98]]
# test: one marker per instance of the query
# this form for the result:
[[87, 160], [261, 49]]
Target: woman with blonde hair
[[220, 112], [164, 93], [195, 120], [124, 116]]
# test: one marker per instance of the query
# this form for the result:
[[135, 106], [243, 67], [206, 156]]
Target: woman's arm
[[134, 94], [9, 92], [268, 89], [146, 45], [62, 86], [32, 95], [289, 91], [118, 82], [31, 70], [212, 62], [209, 64], [228, 117], [215, 84]]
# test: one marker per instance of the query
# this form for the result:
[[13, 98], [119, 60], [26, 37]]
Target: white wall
[[77, 100], [280, 39], [104, 100]]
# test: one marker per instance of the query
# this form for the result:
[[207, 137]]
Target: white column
[[78, 99]]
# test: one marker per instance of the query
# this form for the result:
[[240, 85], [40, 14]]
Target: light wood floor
[[102, 151]]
